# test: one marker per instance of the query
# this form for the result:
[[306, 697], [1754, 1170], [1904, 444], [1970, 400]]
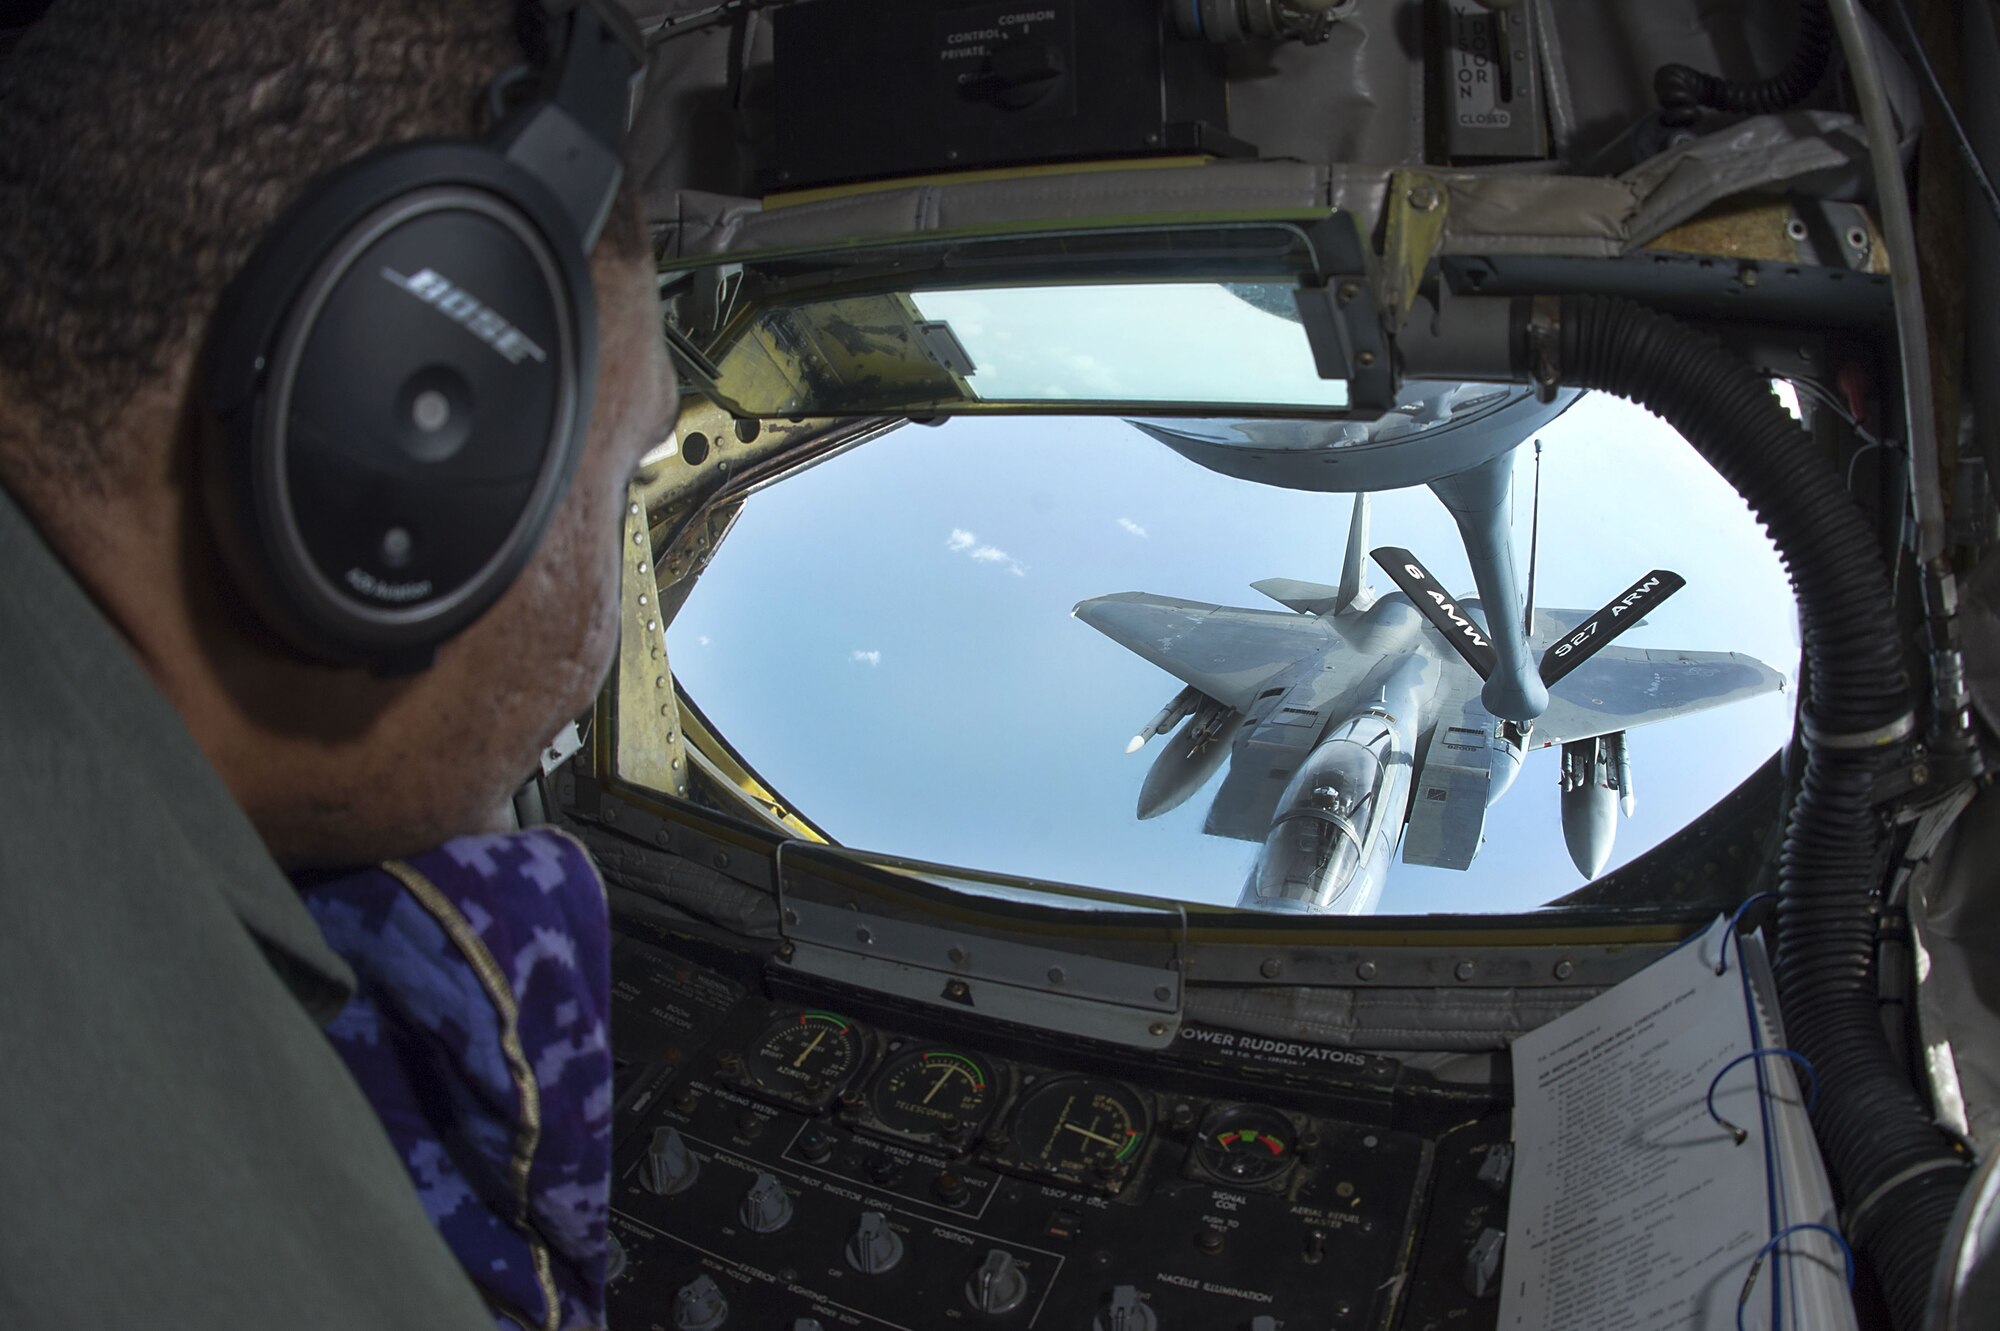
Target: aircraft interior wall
[[793, 1007]]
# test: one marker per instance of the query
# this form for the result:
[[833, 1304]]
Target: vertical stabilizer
[[1354, 569]]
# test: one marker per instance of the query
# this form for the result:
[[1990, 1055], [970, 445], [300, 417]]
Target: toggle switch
[[1482, 1264], [1497, 1165]]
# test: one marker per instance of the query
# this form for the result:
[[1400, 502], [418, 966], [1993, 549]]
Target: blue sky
[[887, 638]]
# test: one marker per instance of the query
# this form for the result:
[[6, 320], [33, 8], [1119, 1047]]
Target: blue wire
[[1812, 1087], [1722, 953], [1194, 7], [1757, 1262]]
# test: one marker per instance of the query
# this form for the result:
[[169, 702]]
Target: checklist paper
[[1633, 1209]]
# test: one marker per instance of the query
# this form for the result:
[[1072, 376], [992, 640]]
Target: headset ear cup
[[400, 382]]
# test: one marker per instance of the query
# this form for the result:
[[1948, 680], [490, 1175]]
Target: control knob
[[874, 1248], [1126, 1312], [700, 1306], [767, 1207], [998, 1286], [670, 1167]]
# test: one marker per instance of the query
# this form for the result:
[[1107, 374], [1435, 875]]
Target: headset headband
[[571, 139]]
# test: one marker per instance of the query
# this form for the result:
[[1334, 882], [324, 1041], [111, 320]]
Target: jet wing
[[1226, 652], [1622, 688]]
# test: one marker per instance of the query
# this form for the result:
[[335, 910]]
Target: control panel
[[797, 1160]]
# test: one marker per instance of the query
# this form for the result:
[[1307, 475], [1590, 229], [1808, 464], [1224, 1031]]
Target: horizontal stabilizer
[[1308, 598], [1597, 632], [1438, 606]]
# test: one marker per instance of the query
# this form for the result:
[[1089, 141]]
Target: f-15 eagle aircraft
[[1344, 717]]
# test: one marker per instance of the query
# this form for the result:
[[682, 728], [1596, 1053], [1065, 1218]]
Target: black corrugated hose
[[1683, 89], [1898, 1176]]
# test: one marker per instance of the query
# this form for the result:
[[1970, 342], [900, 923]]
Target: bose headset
[[400, 379]]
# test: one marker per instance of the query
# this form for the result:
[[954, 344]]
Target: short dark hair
[[145, 145]]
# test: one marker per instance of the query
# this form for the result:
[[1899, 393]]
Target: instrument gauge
[[933, 1094], [1079, 1129], [806, 1058], [1245, 1146]]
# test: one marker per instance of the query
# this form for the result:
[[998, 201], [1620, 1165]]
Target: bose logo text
[[463, 308]]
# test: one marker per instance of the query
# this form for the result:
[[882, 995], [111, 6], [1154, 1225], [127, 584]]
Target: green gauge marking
[[932, 1094]]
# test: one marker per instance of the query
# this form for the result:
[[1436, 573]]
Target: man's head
[[148, 147]]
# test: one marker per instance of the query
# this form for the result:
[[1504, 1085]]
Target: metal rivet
[[1795, 229], [863, 936], [959, 956], [1055, 975], [1269, 970], [652, 626], [1365, 971], [667, 709], [643, 599], [1857, 239], [1464, 970], [633, 510], [1348, 291], [1747, 275], [1364, 358], [1158, 1029], [610, 814], [638, 537], [675, 764], [1565, 969], [660, 681], [1424, 196], [642, 566], [1161, 993], [661, 838]]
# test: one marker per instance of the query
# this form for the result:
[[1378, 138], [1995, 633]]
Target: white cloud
[[1131, 526], [963, 541], [993, 554], [702, 640], [870, 657]]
